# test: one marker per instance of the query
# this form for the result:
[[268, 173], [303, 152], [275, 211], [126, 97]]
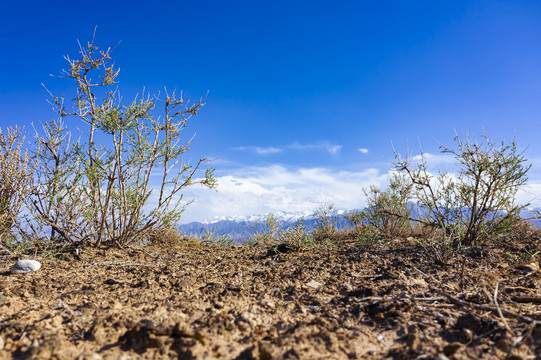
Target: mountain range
[[241, 228]]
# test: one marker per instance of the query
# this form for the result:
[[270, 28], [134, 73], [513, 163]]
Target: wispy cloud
[[435, 159], [327, 146], [331, 148], [363, 150], [260, 150]]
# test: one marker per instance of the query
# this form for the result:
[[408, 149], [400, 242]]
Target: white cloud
[[327, 146], [334, 149], [268, 150], [260, 190], [531, 193], [260, 150], [331, 148], [363, 150], [435, 159]]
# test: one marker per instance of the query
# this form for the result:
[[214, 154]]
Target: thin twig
[[499, 309], [144, 252], [456, 301], [122, 264]]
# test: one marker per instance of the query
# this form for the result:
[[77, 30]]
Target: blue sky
[[304, 97]]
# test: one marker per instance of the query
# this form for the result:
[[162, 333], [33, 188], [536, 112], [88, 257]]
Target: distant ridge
[[241, 228]]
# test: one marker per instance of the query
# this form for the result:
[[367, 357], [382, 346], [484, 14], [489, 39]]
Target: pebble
[[25, 266], [268, 303], [313, 284]]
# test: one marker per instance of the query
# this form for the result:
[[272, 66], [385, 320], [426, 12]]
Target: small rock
[[25, 266], [268, 303], [313, 284]]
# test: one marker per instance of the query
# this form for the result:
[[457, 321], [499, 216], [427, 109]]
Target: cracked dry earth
[[396, 301]]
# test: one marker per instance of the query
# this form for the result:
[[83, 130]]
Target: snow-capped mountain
[[280, 216], [242, 227]]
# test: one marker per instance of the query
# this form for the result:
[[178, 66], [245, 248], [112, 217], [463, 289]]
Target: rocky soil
[[397, 301]]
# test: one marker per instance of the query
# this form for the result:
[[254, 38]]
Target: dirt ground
[[395, 301]]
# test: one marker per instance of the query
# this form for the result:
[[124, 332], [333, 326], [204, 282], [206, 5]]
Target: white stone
[[25, 266], [313, 284]]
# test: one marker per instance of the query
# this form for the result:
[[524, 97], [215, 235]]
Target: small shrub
[[477, 203], [388, 210], [266, 233], [209, 237], [16, 176], [440, 248], [524, 229], [19, 246], [356, 219], [367, 235], [170, 237], [100, 191], [296, 237], [326, 227]]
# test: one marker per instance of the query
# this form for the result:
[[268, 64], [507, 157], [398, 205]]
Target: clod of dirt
[[451, 349], [25, 266], [278, 249], [142, 336]]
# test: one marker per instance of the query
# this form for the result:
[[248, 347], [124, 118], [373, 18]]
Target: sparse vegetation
[[171, 238], [94, 191], [326, 227], [477, 203], [68, 199], [265, 233], [387, 211], [210, 237], [296, 237]]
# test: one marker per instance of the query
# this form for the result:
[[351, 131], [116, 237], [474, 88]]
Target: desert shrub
[[524, 229], [356, 219], [170, 237], [16, 176], [296, 237], [387, 211], [266, 232], [57, 202], [210, 237], [478, 202], [366, 235], [100, 191], [326, 228], [440, 247]]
